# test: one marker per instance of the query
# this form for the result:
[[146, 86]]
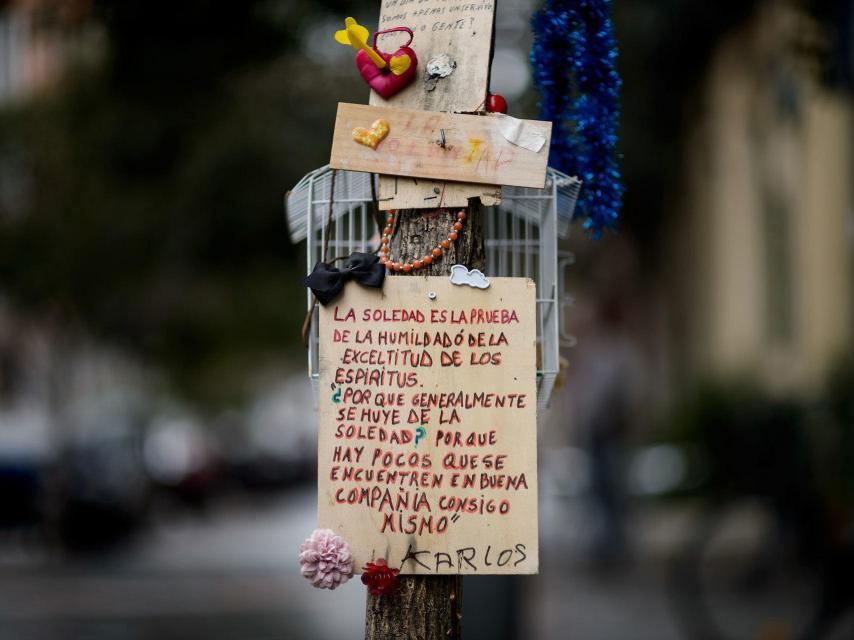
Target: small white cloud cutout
[[461, 275]]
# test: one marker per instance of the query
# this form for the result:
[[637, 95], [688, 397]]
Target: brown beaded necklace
[[406, 267]]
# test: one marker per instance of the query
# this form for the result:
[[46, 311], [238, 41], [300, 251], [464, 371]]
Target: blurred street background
[[157, 428]]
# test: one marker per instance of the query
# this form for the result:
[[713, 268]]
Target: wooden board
[[475, 149], [462, 30], [418, 193], [391, 364]]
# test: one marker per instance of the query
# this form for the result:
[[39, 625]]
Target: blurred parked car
[[102, 489]]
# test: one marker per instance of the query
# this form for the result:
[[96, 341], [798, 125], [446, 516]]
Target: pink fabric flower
[[325, 559]]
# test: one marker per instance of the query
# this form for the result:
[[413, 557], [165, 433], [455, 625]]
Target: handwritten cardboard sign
[[427, 447], [462, 30], [476, 148]]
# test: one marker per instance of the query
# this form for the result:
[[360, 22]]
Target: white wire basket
[[521, 240]]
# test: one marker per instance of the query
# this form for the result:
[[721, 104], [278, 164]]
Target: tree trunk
[[427, 607]]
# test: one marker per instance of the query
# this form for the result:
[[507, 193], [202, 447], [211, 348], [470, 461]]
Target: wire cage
[[521, 240]]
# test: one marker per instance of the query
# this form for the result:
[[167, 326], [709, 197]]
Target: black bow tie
[[326, 282]]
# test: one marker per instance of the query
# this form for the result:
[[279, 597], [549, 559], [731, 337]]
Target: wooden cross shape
[[427, 158]]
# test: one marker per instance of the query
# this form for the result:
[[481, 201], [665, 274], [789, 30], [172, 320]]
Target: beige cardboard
[[418, 193], [353, 362], [462, 30]]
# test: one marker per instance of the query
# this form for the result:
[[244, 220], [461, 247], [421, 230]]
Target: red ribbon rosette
[[380, 578]]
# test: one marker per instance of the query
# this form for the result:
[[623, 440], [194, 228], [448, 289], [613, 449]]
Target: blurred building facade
[[763, 239]]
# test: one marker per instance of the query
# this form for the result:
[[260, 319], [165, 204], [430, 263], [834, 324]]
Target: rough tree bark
[[427, 607]]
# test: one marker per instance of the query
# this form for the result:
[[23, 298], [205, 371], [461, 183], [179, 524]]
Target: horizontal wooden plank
[[475, 149], [396, 192]]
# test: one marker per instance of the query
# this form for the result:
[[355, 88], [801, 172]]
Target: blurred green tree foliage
[[145, 200]]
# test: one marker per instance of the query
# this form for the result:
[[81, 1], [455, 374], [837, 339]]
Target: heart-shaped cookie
[[373, 136], [398, 72]]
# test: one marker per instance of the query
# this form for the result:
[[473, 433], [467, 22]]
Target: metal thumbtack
[[432, 295]]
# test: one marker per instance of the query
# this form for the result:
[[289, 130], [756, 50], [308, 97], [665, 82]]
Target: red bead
[[428, 259], [387, 231], [417, 264], [496, 103], [453, 236], [389, 265], [437, 252], [461, 215], [458, 226], [444, 244], [398, 267], [407, 268]]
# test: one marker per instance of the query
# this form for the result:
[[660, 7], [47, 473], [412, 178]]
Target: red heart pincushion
[[384, 81]]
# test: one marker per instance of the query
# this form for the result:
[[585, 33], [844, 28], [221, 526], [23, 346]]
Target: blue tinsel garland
[[574, 57]]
